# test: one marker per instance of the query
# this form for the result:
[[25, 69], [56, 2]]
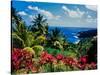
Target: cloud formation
[[91, 7], [48, 14], [90, 19], [22, 13], [73, 13]]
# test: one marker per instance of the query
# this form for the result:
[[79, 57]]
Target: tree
[[57, 39], [21, 37], [40, 25]]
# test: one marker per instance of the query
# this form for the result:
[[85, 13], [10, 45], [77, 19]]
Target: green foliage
[[40, 40], [84, 45], [71, 53], [22, 71], [66, 52], [38, 49], [53, 51], [29, 50], [20, 35], [39, 25], [58, 45], [17, 41], [61, 66], [56, 39], [26, 39]]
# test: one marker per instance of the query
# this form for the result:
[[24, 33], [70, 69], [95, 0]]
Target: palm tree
[[55, 34], [15, 17], [40, 25], [56, 39], [21, 37]]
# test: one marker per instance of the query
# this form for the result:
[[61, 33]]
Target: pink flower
[[70, 61], [43, 54], [59, 57], [83, 59], [45, 57], [21, 58]]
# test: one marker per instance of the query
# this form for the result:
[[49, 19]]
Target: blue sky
[[66, 15]]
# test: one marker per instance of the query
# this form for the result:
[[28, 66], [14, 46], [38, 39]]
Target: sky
[[64, 15]]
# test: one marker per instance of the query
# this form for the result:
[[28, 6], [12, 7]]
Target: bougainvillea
[[59, 56], [22, 59], [45, 58]]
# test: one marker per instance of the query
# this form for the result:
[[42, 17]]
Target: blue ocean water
[[71, 32]]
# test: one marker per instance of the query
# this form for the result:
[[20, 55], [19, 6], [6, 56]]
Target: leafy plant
[[38, 49], [56, 39], [29, 50], [21, 37]]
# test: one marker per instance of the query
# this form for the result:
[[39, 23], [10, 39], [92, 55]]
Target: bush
[[22, 61], [29, 50], [38, 49]]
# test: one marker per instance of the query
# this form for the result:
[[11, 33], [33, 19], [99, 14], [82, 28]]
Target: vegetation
[[35, 49]]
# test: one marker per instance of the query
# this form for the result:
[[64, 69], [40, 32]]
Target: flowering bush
[[83, 63], [45, 58], [60, 62], [22, 62], [22, 59], [59, 57]]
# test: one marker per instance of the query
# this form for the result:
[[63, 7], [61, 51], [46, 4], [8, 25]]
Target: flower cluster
[[83, 60], [83, 63], [21, 59], [45, 58], [70, 61], [59, 56], [80, 63]]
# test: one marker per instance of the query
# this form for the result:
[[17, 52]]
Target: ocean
[[71, 32]]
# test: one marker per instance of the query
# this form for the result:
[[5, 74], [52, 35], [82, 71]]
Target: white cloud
[[48, 14], [65, 8], [31, 16], [73, 13], [22, 13], [33, 8], [90, 19], [91, 7]]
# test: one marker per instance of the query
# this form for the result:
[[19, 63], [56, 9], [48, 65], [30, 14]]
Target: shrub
[[46, 58], [21, 59], [38, 49], [59, 56], [29, 50]]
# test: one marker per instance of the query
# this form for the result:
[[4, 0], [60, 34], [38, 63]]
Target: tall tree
[[57, 39], [21, 37], [40, 25]]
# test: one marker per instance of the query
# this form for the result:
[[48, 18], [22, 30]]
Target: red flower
[[45, 57], [83, 59], [70, 61], [21, 58], [43, 54], [59, 57]]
